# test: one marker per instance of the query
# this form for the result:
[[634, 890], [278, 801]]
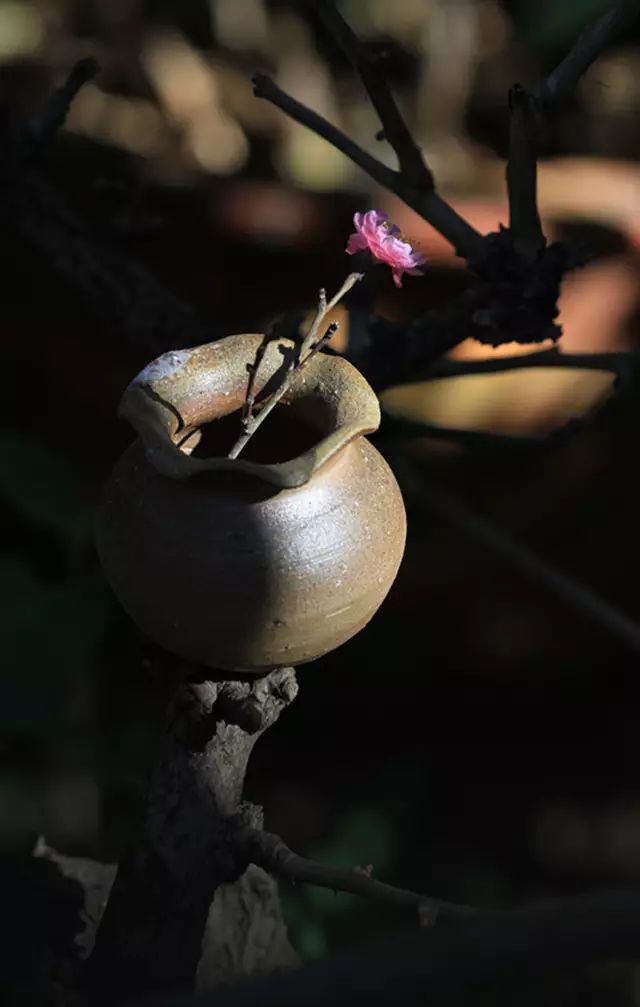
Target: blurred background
[[478, 741]]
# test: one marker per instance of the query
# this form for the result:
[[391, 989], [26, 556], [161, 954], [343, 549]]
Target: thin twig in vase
[[252, 419], [319, 344], [252, 370]]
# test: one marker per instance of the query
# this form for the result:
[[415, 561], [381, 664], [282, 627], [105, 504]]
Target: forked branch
[[414, 183], [370, 69], [311, 344], [525, 107], [464, 238]]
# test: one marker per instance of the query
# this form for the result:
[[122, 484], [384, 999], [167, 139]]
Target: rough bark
[[245, 934], [151, 934], [95, 880]]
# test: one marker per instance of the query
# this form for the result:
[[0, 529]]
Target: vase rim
[[180, 391]]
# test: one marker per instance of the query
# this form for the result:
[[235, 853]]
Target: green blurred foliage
[[558, 23], [392, 828], [52, 633], [54, 619], [43, 487], [379, 830], [364, 836]]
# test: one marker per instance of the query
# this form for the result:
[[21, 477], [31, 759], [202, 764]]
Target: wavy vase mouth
[[186, 408]]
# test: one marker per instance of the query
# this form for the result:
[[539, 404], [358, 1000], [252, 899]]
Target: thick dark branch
[[585, 50], [623, 365], [269, 852], [464, 238], [265, 87], [395, 426], [390, 354], [369, 68], [524, 106], [522, 166]]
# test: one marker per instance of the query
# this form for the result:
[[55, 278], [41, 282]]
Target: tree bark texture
[[151, 934]]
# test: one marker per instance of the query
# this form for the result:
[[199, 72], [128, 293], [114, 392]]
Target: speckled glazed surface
[[241, 565]]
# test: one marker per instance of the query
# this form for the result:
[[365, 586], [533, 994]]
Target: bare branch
[[58, 105], [265, 87], [368, 66], [524, 220], [585, 50], [623, 365], [324, 307], [491, 440], [310, 345], [464, 238], [28, 141], [269, 852], [524, 106], [252, 370], [319, 344]]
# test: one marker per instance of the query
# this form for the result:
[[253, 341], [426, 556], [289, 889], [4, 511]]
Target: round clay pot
[[270, 559]]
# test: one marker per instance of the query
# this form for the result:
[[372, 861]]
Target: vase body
[[248, 565]]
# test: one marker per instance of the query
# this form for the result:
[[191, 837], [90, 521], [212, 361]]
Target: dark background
[[478, 741]]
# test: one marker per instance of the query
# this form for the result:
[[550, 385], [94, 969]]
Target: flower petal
[[356, 243], [385, 243]]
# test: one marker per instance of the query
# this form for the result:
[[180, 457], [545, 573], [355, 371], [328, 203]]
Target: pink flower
[[375, 234]]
